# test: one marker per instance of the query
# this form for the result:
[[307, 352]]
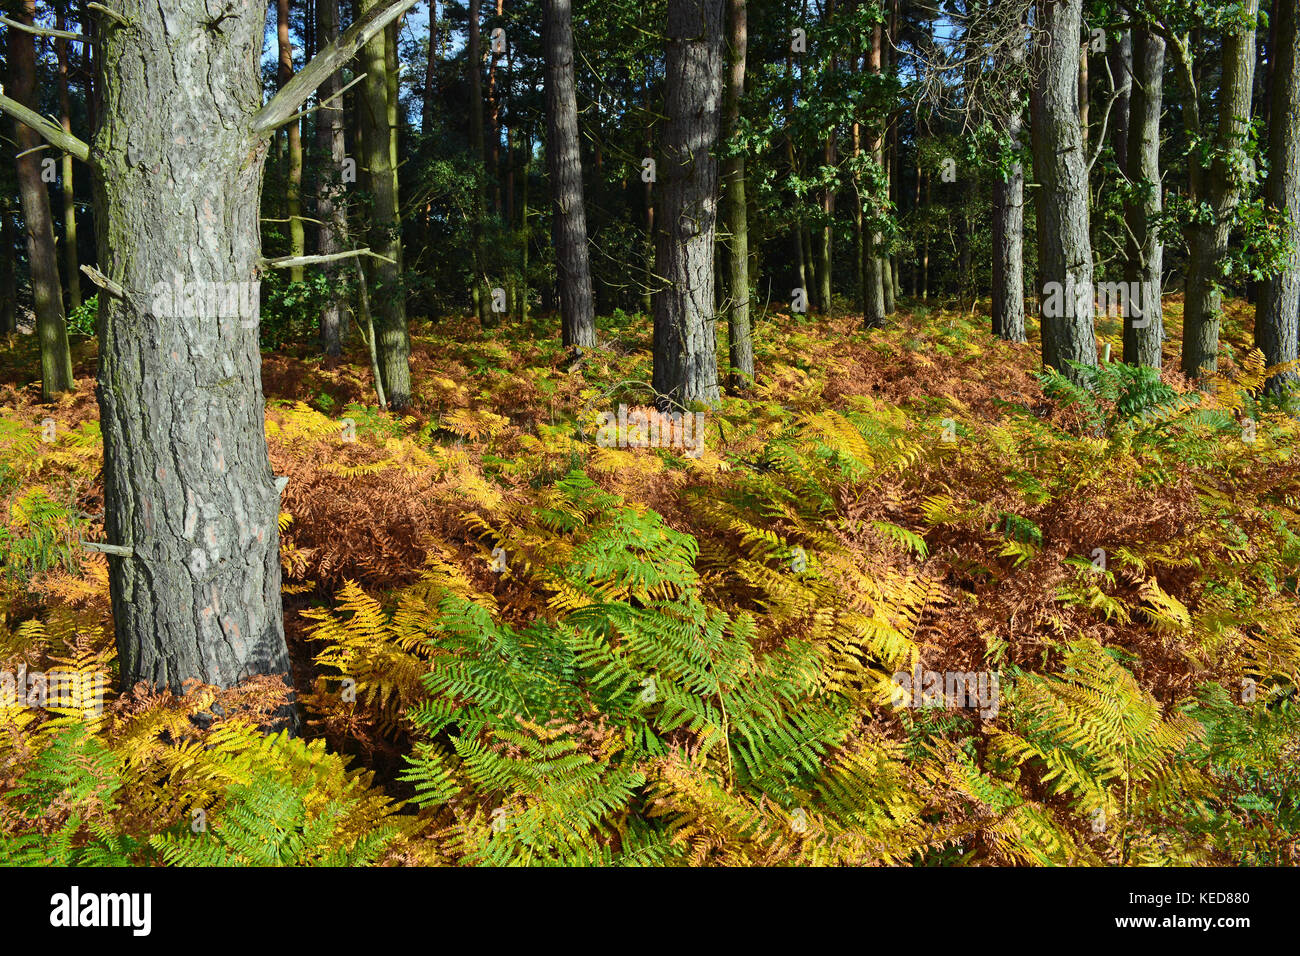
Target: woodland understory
[[950, 508]]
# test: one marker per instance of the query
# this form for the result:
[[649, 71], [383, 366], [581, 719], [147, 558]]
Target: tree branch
[[285, 104], [51, 131], [44, 31], [290, 262]]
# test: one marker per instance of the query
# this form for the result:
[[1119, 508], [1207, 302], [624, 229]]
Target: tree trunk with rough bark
[[187, 481], [685, 363], [1064, 245], [564, 163], [1207, 242]]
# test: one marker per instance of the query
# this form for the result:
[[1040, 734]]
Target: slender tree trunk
[[564, 162], [826, 240], [925, 237], [1009, 250], [393, 339], [872, 269], [740, 339], [293, 191], [474, 64], [1208, 241], [331, 209], [1009, 221], [187, 480], [1144, 328], [70, 260], [1279, 307], [647, 302], [1064, 246], [51, 325], [685, 363]]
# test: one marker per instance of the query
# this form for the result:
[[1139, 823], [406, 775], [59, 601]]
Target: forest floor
[[910, 497]]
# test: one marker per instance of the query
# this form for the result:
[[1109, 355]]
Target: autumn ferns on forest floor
[[515, 644]]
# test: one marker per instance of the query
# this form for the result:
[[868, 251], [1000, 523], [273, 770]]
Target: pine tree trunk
[[685, 363], [331, 210], [187, 480], [51, 325], [392, 338], [1144, 327], [1207, 243], [1064, 245], [1279, 307], [740, 339], [564, 163]]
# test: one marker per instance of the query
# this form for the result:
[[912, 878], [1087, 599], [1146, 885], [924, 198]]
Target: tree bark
[[187, 480], [739, 335], [47, 293], [1279, 307], [1208, 241], [1064, 245], [1144, 329], [685, 363], [331, 210], [564, 162], [393, 339]]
